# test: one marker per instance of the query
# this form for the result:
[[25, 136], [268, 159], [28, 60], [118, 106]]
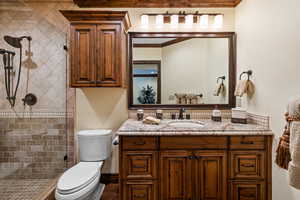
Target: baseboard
[[109, 178]]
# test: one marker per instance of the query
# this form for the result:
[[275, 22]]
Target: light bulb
[[204, 21], [159, 21], [174, 21], [218, 23], [189, 20], [144, 20]]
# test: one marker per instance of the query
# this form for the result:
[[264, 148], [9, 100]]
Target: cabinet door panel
[[247, 191], [140, 191], [83, 55], [175, 175], [210, 175], [247, 164], [139, 165], [108, 51]]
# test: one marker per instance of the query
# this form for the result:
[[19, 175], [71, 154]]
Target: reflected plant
[[147, 95]]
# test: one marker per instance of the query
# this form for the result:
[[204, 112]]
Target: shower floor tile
[[22, 189]]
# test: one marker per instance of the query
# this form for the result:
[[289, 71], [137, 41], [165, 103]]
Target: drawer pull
[[139, 196], [248, 195], [193, 157], [139, 167], [247, 165], [140, 143], [247, 142]]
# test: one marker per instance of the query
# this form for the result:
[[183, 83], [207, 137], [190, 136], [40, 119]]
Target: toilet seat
[[79, 181]]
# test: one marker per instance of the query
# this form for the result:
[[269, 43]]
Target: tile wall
[[34, 141]]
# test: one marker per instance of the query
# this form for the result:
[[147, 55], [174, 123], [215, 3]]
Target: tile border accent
[[36, 114]]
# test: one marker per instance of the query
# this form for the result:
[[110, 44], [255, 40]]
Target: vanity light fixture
[[159, 21], [189, 20], [218, 21], [203, 21], [174, 21], [144, 21]]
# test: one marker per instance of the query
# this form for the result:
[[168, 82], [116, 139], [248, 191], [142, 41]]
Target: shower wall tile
[[30, 149], [36, 146], [49, 32]]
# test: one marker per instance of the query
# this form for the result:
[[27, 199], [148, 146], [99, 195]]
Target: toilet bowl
[[82, 181]]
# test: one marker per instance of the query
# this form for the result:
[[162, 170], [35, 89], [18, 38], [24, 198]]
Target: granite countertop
[[133, 127]]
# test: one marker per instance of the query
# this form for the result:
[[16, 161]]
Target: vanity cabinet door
[[175, 175], [108, 51], [210, 175], [83, 55]]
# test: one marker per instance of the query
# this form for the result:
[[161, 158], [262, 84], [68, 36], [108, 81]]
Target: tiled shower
[[36, 143]]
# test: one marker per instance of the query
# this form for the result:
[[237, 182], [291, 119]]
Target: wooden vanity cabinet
[[98, 48], [174, 167]]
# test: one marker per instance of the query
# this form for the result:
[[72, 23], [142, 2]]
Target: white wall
[[268, 42]]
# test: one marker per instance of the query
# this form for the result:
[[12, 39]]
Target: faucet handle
[[182, 110]]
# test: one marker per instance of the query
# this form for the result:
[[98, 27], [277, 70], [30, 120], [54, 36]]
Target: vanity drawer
[[247, 164], [145, 190], [193, 142], [247, 142], [139, 143], [139, 165], [247, 191]]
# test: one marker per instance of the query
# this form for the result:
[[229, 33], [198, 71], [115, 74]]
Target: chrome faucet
[[181, 111]]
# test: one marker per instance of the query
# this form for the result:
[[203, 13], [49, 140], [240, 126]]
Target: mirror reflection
[[180, 70]]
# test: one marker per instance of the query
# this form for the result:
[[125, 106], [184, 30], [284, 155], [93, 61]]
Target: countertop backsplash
[[261, 120]]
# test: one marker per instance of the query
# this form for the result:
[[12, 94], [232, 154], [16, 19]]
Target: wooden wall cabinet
[[174, 167], [98, 48]]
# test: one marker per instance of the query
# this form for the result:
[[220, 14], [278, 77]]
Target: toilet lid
[[79, 176]]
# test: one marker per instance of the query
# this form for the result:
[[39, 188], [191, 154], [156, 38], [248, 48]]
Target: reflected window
[[146, 82]]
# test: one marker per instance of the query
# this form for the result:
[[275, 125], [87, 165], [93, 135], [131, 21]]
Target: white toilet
[[82, 182]]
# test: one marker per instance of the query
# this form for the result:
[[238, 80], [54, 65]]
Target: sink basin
[[186, 124]]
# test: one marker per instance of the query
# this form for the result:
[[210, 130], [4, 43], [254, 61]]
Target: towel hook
[[249, 73], [221, 77]]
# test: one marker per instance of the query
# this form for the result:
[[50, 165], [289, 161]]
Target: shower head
[[4, 51], [15, 41]]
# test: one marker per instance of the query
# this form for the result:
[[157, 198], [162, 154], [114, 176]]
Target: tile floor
[[22, 189], [29, 189]]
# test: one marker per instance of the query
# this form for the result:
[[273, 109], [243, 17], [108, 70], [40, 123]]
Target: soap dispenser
[[216, 115]]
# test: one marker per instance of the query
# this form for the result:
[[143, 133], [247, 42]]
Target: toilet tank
[[94, 145]]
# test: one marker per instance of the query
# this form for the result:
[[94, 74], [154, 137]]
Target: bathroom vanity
[[193, 160]]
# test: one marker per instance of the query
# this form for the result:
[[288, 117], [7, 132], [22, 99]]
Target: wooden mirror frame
[[231, 36]]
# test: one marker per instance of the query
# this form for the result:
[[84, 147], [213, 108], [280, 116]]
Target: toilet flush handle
[[116, 141]]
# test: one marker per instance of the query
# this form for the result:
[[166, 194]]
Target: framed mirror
[[173, 70]]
